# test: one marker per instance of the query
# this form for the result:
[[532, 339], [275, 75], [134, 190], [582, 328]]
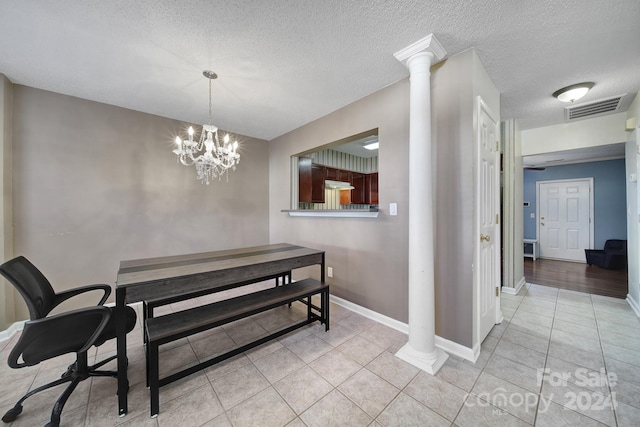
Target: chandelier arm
[[227, 163], [187, 160]]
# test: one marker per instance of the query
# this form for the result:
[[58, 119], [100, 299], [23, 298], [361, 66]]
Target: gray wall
[[456, 83], [368, 255], [95, 184], [452, 108], [7, 294]]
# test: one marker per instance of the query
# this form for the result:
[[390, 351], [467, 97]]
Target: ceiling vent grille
[[595, 108]]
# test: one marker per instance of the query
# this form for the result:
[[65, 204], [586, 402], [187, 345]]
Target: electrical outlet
[[330, 271]]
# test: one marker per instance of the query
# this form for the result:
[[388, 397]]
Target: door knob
[[485, 238], [542, 223]]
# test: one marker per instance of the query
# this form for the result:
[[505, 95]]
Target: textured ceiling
[[284, 63]]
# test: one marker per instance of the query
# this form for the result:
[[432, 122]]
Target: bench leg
[[153, 366], [325, 309], [147, 313], [146, 356], [286, 279]]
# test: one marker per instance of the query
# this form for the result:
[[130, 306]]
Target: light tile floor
[[547, 364]]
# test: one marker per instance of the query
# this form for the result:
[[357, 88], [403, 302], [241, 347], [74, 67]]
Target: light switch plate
[[393, 209]]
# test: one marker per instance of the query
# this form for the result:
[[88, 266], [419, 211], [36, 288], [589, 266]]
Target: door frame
[[591, 206]]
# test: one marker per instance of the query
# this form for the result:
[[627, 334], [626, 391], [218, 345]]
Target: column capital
[[428, 44]]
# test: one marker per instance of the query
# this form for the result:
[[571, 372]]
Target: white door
[[487, 252], [565, 228]]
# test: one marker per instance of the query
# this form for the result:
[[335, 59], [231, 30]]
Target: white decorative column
[[421, 350]]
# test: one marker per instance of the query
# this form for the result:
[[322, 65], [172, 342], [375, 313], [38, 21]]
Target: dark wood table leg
[[121, 340], [325, 306]]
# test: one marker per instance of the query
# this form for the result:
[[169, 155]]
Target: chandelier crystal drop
[[217, 158]]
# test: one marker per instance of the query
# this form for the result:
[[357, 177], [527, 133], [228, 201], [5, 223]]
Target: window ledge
[[334, 213]]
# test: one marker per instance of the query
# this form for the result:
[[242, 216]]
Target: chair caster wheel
[[12, 414], [54, 423]]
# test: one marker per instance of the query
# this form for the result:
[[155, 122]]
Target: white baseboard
[[634, 305], [516, 289], [470, 354], [8, 333], [442, 343], [373, 315]]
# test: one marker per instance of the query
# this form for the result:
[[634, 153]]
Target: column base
[[428, 362]]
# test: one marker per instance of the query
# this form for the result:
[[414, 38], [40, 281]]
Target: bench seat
[[163, 329]]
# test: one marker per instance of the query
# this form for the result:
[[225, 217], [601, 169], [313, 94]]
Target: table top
[[139, 271]]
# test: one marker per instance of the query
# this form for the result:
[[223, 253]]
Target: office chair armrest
[[70, 332], [65, 295]]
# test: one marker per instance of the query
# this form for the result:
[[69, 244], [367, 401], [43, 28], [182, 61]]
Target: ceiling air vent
[[596, 108]]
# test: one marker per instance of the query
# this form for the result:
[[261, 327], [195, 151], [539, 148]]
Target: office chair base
[[12, 414], [73, 374]]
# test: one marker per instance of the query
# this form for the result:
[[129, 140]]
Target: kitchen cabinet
[[317, 183], [311, 184], [331, 173], [334, 174], [371, 188], [310, 181], [344, 175], [358, 192], [304, 180]]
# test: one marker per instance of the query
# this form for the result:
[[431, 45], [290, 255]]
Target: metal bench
[[163, 329]]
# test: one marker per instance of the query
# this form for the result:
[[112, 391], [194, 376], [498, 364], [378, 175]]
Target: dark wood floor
[[577, 277]]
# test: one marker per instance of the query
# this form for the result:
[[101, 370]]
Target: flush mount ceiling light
[[369, 142], [217, 158], [573, 92]]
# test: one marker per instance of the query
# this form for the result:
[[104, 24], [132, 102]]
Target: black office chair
[[74, 331]]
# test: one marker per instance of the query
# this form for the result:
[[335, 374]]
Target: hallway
[[576, 276]]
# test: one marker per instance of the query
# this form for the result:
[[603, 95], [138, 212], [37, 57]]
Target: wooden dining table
[[173, 278]]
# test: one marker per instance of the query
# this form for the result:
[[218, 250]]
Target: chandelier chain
[[210, 103]]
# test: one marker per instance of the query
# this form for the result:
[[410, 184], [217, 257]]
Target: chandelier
[[217, 158]]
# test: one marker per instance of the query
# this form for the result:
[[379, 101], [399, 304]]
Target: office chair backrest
[[32, 285]]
